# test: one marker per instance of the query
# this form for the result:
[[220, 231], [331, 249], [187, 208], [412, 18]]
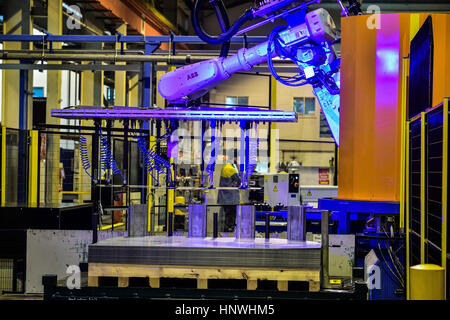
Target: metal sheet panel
[[138, 220], [341, 255], [52, 251], [197, 220], [296, 225], [177, 250], [245, 222]]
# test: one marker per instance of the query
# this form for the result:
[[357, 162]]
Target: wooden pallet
[[155, 272]]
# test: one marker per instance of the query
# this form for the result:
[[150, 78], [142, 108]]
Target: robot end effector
[[193, 81]]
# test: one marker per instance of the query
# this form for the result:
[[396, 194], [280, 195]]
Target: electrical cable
[[354, 7], [390, 255], [272, 44], [224, 21], [246, 16], [387, 264]]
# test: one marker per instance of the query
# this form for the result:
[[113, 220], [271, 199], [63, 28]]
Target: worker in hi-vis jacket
[[229, 177]]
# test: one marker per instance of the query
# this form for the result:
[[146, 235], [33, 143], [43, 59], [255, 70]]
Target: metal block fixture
[[138, 220], [296, 226], [197, 221], [245, 222]]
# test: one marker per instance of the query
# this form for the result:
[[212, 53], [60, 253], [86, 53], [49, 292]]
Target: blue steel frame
[[151, 44], [121, 39], [343, 209]]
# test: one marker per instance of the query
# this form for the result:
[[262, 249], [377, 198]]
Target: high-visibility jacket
[[229, 176]]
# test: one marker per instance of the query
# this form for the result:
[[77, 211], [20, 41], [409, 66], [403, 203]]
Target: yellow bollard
[[427, 282]]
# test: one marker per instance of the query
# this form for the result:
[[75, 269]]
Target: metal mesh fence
[[62, 177], [12, 275], [6, 275], [16, 166]]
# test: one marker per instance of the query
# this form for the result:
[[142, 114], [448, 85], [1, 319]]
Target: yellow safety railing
[[406, 200], [33, 168], [403, 154], [423, 177], [110, 226], [3, 166], [75, 192], [170, 201], [149, 190], [424, 170], [445, 191]]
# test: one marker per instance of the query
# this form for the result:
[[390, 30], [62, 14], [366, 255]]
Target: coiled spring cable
[[84, 155], [151, 160], [106, 158]]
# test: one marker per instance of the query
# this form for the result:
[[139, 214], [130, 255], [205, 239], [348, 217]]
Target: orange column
[[358, 52], [370, 120], [371, 100]]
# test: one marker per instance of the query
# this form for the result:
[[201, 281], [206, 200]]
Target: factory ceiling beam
[[142, 18]]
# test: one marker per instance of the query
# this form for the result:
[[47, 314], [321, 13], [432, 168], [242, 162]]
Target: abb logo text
[[192, 75]]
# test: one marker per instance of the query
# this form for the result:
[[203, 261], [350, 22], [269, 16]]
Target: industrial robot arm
[[305, 42], [308, 44], [195, 80]]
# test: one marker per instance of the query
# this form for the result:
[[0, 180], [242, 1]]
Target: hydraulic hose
[[354, 7], [224, 22], [246, 16]]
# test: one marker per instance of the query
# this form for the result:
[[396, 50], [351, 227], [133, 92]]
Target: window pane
[[325, 131], [231, 101], [242, 101], [310, 106], [298, 105]]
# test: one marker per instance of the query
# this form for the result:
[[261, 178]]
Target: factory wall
[[256, 88]]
